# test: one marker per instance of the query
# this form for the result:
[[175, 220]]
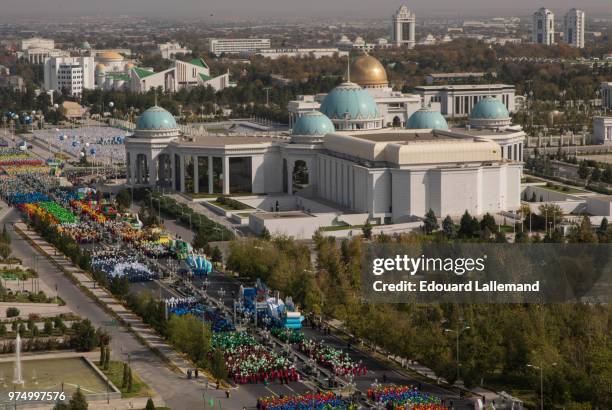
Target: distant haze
[[291, 8]]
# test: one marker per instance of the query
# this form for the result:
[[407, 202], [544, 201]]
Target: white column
[[152, 166], [210, 175], [182, 172], [226, 184], [196, 182]]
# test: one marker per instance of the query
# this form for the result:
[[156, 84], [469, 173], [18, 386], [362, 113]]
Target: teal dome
[[312, 123], [489, 108], [352, 99], [425, 119], [156, 118]]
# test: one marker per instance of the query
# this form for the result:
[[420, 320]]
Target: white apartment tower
[[574, 28], [543, 27], [72, 74], [403, 27]]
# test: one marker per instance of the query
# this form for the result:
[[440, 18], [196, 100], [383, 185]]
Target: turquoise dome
[[491, 109], [352, 99], [426, 118], [312, 123], [156, 118]]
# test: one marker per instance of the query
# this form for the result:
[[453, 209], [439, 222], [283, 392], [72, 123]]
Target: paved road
[[177, 392]]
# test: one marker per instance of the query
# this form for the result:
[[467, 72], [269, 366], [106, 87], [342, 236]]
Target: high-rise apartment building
[[543, 27], [403, 30], [573, 28]]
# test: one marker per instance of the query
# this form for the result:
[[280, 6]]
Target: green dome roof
[[352, 99], [491, 109], [156, 118], [312, 123], [426, 118]]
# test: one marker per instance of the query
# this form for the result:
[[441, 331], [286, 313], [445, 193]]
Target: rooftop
[[403, 137], [221, 141]]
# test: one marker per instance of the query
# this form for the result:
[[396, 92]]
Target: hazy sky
[[291, 8]]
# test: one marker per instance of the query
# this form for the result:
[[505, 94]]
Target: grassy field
[[115, 374]]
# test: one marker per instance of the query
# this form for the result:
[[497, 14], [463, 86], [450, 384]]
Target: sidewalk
[[133, 322]]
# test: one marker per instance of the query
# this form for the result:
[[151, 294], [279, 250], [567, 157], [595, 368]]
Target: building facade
[[602, 130], [171, 49], [72, 74], [403, 28], [458, 100], [605, 90], [543, 31], [573, 28], [36, 42], [386, 175], [220, 46]]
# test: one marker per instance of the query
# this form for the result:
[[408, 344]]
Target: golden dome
[[367, 71], [100, 67], [129, 66], [109, 56]]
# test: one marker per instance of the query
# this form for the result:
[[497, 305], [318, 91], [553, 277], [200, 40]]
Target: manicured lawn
[[341, 227], [232, 207], [115, 374]]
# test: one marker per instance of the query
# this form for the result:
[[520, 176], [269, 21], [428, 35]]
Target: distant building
[[543, 27], [72, 74], [573, 28], [403, 28], [13, 82], [183, 75], [276, 53], [220, 46], [36, 42], [171, 49], [606, 95], [602, 130], [36, 55], [442, 77], [458, 100]]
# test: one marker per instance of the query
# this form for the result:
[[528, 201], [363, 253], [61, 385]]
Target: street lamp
[[458, 332], [540, 368]]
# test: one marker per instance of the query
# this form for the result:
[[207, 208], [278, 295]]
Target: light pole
[[541, 369], [458, 333]]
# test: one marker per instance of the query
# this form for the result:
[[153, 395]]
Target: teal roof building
[[156, 119], [351, 107], [426, 118], [490, 113]]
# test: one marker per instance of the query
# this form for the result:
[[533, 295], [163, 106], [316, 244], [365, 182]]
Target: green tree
[[48, 327], [190, 335], [102, 355], [150, 405], [448, 227], [5, 250], [430, 222], [488, 221], [85, 337], [217, 365], [126, 375], [130, 380], [367, 230], [124, 198], [12, 312], [583, 170], [265, 234], [107, 355], [6, 238], [200, 240], [217, 256], [78, 401]]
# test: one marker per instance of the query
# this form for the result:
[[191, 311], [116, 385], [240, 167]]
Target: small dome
[[100, 68], [425, 119], [352, 100], [312, 123], [85, 45], [367, 71], [489, 108], [156, 118], [129, 66], [109, 56]]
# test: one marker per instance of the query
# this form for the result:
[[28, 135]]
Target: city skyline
[[277, 8]]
